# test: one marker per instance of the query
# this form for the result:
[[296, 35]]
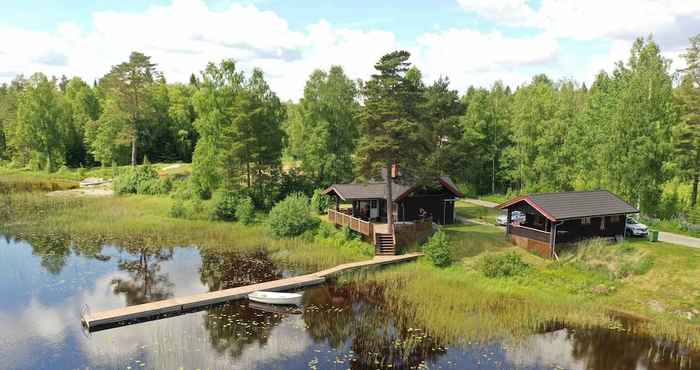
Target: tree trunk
[[389, 201], [694, 194], [247, 170], [133, 150], [493, 174]]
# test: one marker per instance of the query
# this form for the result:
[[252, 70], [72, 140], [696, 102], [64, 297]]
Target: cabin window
[[615, 218], [586, 221]]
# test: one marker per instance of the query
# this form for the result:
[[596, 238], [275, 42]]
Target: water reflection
[[339, 326], [146, 282]]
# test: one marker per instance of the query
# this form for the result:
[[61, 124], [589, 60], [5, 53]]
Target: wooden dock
[[109, 318]]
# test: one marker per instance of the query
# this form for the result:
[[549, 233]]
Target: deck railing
[[530, 233], [354, 223]]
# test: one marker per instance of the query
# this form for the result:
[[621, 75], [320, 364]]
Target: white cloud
[[184, 36], [588, 20], [517, 12], [470, 57]]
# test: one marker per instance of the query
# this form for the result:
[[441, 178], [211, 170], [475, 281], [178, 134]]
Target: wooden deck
[[354, 223], [92, 321]]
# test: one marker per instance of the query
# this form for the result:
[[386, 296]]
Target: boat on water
[[275, 297]]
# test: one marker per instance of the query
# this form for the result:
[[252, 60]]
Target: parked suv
[[634, 228], [515, 216]]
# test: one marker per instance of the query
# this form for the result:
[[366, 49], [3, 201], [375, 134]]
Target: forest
[[634, 131]]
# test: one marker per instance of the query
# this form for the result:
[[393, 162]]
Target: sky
[[472, 42]]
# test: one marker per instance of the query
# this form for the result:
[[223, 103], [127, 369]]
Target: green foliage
[[292, 217], [322, 128], [390, 129], [225, 204], [239, 126], [320, 202], [245, 211], [38, 134], [503, 265], [140, 180], [438, 249]]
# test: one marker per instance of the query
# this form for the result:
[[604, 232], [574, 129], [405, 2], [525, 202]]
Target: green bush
[[292, 217], [138, 180], [320, 202], [503, 265], [178, 209], [245, 212], [225, 203], [438, 249]]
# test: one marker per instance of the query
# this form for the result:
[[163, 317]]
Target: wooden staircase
[[384, 244]]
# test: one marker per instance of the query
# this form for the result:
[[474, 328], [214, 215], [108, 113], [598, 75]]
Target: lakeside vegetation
[[596, 285], [144, 222], [652, 284]]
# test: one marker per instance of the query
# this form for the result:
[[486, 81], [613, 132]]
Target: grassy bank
[[473, 211], [656, 282], [143, 222]]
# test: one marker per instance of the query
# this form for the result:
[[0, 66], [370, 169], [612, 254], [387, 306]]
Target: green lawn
[[473, 211]]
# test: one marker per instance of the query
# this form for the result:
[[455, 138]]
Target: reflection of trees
[[145, 283], [53, 251], [234, 327], [357, 315], [605, 349], [230, 270]]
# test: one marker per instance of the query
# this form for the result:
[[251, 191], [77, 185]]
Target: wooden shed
[[554, 219]]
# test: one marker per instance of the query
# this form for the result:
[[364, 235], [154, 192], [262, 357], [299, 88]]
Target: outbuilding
[[555, 219]]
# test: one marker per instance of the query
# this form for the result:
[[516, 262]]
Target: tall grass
[[143, 221]]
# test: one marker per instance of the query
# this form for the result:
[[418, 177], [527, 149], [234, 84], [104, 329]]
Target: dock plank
[[175, 305]]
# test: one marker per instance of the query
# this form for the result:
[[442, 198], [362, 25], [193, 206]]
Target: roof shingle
[[576, 204]]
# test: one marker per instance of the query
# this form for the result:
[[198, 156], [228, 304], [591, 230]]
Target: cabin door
[[373, 209]]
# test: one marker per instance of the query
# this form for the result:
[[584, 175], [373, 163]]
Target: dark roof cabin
[[554, 219], [367, 213]]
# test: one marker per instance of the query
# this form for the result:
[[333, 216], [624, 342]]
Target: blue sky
[[472, 42]]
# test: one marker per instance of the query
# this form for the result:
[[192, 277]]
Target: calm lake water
[[43, 288]]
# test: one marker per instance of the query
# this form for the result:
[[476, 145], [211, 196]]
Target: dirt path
[[88, 188], [479, 202], [679, 239]]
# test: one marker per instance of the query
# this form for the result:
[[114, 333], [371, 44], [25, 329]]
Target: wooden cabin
[[366, 210], [556, 219]]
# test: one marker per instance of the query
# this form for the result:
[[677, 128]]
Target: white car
[[515, 216], [634, 228]]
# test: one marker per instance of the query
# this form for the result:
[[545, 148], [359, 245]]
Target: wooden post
[[337, 203], [389, 200], [508, 221]]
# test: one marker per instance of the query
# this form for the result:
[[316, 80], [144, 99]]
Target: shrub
[[245, 212], [438, 249], [137, 180], [292, 217], [503, 265], [225, 203], [320, 202], [350, 234], [178, 209]]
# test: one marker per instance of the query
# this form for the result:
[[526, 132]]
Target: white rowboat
[[275, 297]]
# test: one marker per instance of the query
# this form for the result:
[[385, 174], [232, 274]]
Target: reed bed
[[143, 222]]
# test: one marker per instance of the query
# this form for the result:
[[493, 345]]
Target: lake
[[45, 286]]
